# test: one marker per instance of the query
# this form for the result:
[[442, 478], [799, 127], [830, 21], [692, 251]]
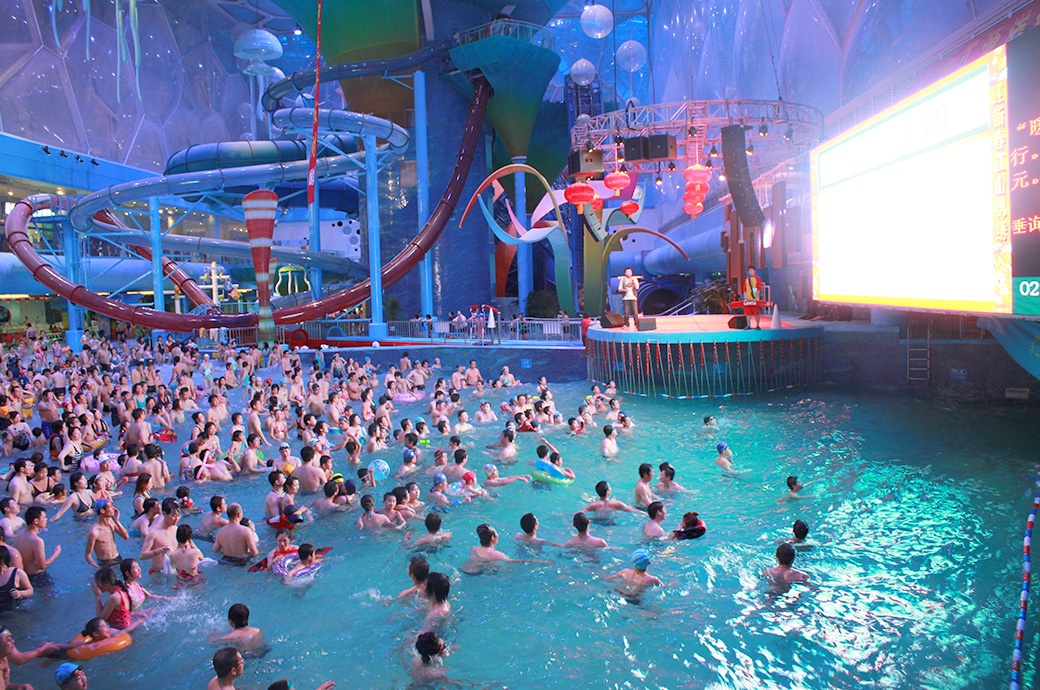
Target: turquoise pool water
[[917, 521]]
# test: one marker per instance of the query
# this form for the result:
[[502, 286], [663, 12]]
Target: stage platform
[[700, 356]]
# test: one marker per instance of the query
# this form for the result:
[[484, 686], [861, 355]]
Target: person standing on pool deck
[[628, 285], [752, 291]]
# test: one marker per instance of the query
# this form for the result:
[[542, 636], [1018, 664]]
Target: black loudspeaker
[[586, 162], [738, 177], [611, 319], [738, 323], [661, 147], [637, 148], [646, 324]]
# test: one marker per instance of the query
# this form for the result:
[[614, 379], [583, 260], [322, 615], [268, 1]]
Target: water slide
[[81, 214]]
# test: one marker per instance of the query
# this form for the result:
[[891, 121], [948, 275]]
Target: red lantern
[[697, 187], [697, 173], [617, 181], [597, 203], [579, 194], [629, 208], [692, 198], [690, 209]]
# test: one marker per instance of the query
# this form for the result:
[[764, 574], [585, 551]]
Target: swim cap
[[419, 419], [439, 453], [283, 444], [63, 674], [640, 559], [439, 478], [409, 454], [469, 476], [338, 477], [721, 447], [489, 468], [101, 503]]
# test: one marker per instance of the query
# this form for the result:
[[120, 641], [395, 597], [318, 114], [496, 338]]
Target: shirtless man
[[603, 508], [275, 499], [250, 460], [242, 636], [434, 536], [101, 539], [50, 412], [30, 546], [156, 467], [228, 666], [235, 541], [485, 554], [582, 540], [473, 374], [529, 532], [794, 490], [458, 378], [644, 496], [725, 460], [666, 483], [608, 447], [139, 431], [253, 425], [18, 488], [161, 539], [653, 529], [634, 581], [9, 654], [213, 520], [315, 403], [370, 519], [783, 575], [308, 472]]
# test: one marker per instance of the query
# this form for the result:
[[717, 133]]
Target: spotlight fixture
[[63, 154], [692, 131], [789, 134], [750, 150], [93, 161], [763, 128], [589, 147], [659, 181], [47, 150], [707, 164], [618, 139], [623, 168], [714, 153], [79, 158], [722, 176], [297, 31], [671, 166]]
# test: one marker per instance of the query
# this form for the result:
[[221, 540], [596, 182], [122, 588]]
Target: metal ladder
[[918, 357]]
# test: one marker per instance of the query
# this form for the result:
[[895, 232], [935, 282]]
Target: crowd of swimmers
[[102, 417]]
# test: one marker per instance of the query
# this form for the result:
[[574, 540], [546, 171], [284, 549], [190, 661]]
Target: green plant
[[391, 307], [713, 296], [542, 304]]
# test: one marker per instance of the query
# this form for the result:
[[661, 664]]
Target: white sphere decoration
[[584, 117], [583, 72], [631, 56], [596, 21], [375, 343]]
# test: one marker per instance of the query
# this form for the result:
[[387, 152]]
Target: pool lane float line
[[1023, 604], [101, 647]]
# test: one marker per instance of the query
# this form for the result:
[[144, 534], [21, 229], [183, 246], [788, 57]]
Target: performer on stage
[[752, 291], [628, 285]]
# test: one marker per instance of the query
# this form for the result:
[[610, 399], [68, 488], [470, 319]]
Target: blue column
[[155, 234], [314, 242], [422, 165], [377, 328], [524, 269], [73, 271]]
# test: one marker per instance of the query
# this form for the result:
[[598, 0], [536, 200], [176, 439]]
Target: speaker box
[[738, 177], [646, 324], [583, 161], [611, 319], [738, 322], [637, 148], [661, 147]]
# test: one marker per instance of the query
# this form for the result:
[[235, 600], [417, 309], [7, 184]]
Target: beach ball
[[583, 72], [379, 470], [596, 21]]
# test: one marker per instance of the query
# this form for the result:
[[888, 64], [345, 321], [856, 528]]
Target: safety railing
[[521, 31]]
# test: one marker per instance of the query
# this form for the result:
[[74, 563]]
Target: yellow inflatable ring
[[93, 649]]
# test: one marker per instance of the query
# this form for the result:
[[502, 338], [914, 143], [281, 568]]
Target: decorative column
[[261, 207]]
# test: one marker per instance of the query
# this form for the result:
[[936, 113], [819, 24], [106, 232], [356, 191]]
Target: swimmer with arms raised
[[603, 508]]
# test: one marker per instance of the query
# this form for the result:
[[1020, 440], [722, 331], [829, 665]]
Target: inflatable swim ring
[[165, 435], [407, 397], [548, 473], [284, 564], [99, 648]]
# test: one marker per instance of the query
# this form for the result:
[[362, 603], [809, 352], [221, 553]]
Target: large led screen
[[920, 206]]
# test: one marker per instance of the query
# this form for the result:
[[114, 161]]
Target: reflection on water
[[914, 519]]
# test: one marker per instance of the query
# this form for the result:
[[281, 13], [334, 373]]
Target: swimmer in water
[[429, 664], [632, 582], [529, 532], [438, 587], [783, 575], [603, 508], [434, 535], [710, 422], [794, 489], [583, 540], [608, 447], [666, 483], [653, 529], [242, 636], [725, 460], [644, 496], [494, 479], [485, 554], [418, 570]]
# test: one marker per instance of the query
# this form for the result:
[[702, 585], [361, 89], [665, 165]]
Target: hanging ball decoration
[[617, 181], [597, 203], [258, 44], [584, 117], [597, 21], [583, 72], [258, 68], [689, 209], [579, 194], [631, 56], [629, 208], [697, 173]]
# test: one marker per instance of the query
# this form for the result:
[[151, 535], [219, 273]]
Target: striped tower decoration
[[260, 209]]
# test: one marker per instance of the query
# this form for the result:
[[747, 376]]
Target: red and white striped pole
[[261, 207]]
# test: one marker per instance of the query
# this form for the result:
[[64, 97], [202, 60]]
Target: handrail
[[1023, 602], [512, 28]]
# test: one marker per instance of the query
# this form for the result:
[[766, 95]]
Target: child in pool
[[433, 536], [308, 559], [633, 581], [186, 558], [429, 665]]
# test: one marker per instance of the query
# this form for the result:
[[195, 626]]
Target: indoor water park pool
[[915, 509]]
